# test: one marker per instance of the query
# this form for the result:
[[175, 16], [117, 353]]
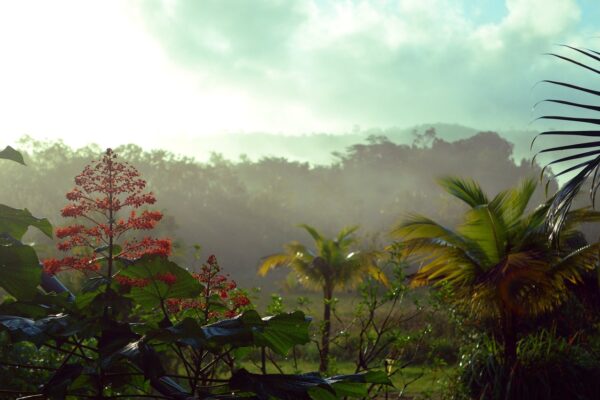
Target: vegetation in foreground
[[517, 309]]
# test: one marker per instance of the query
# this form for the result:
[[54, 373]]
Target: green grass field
[[415, 381]]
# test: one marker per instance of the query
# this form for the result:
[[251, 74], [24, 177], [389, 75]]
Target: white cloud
[[144, 71]]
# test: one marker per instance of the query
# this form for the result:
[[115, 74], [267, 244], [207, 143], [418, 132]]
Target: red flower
[[102, 190], [214, 283], [241, 300], [212, 260], [51, 266]]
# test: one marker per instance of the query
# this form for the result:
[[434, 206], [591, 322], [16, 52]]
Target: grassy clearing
[[417, 382]]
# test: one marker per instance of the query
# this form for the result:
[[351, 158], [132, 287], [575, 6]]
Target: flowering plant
[[220, 296], [107, 348], [102, 232]]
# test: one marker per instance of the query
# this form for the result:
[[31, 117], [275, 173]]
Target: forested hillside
[[244, 210]]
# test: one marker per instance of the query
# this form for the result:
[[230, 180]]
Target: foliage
[[498, 264], [549, 367], [377, 335], [244, 209], [118, 336], [583, 156]]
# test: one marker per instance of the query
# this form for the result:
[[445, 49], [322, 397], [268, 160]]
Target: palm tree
[[335, 265], [498, 263], [582, 156]]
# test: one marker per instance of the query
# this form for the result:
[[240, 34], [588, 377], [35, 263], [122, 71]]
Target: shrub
[[548, 367]]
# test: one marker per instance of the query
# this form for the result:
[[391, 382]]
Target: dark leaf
[[11, 154], [56, 387], [15, 222], [279, 386], [20, 272], [38, 331], [151, 295]]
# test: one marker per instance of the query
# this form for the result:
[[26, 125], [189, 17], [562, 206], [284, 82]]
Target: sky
[[162, 73]]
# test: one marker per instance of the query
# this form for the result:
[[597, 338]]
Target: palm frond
[[274, 261], [313, 233], [570, 267], [516, 202], [419, 227], [487, 230], [466, 190], [562, 200], [344, 235]]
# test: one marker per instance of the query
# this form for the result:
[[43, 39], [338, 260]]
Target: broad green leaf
[[151, 295], [279, 386], [11, 154], [279, 333], [22, 329], [15, 222], [42, 305], [283, 331], [38, 331], [318, 393], [20, 272], [354, 385], [310, 386]]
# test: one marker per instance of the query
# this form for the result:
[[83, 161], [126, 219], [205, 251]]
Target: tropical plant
[[582, 156], [498, 265], [115, 337], [550, 368], [335, 264]]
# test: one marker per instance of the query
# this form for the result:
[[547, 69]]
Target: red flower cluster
[[102, 190], [234, 300]]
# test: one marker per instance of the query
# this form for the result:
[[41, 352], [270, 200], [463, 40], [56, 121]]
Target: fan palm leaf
[[585, 151]]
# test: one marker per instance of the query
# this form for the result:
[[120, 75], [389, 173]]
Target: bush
[[548, 367]]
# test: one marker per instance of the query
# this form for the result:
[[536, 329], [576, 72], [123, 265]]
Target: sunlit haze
[[165, 74]]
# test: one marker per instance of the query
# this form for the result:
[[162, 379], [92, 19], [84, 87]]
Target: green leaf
[[40, 306], [279, 333], [283, 331], [22, 329], [318, 393], [15, 222], [11, 154], [151, 295], [56, 387], [279, 386], [355, 384], [38, 331], [310, 386], [352, 389], [20, 272]]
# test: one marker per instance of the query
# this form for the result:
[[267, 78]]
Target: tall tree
[[336, 264], [498, 263]]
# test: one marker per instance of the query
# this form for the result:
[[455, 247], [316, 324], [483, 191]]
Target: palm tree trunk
[[510, 341], [325, 335]]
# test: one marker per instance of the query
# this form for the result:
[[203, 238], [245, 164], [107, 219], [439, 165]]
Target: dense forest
[[245, 210]]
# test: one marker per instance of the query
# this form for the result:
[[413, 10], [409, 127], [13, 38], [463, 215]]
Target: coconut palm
[[498, 263], [334, 265], [582, 156]]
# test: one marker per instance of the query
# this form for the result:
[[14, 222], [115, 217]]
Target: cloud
[[372, 63], [145, 72]]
